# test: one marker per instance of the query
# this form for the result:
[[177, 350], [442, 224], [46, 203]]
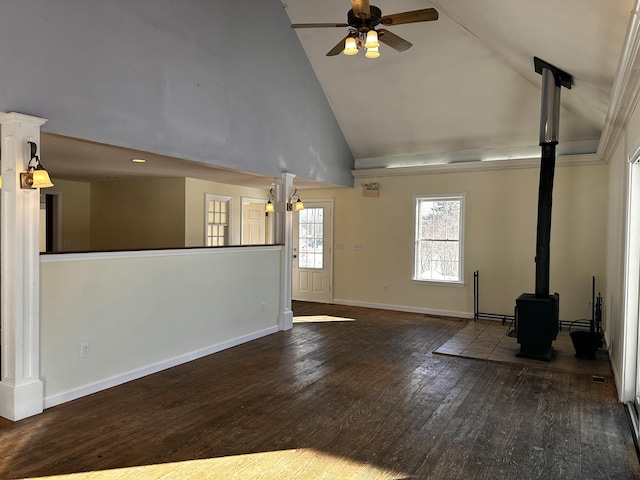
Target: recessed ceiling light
[[138, 160]]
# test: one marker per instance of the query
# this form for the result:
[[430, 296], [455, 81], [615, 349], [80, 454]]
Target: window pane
[[438, 253], [217, 222], [310, 233]]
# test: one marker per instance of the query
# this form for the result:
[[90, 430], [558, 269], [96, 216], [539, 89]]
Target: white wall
[[500, 236], [614, 294], [141, 312], [621, 345]]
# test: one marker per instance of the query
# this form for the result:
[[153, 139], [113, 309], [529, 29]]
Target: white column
[[284, 232], [21, 392]]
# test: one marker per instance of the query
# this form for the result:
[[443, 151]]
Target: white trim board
[[76, 257], [403, 308]]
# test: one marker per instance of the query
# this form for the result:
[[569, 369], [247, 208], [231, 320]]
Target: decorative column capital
[[10, 117]]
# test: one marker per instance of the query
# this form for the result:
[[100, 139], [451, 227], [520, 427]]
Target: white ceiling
[[465, 91], [468, 86]]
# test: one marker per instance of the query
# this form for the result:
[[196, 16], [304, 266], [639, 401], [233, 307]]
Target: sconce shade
[[269, 207], [41, 178], [372, 39], [299, 205], [350, 46]]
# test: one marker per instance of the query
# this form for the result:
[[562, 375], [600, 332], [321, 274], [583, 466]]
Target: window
[[438, 238], [217, 220], [310, 238]]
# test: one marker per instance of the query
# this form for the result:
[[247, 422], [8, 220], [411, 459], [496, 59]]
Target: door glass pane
[[310, 238]]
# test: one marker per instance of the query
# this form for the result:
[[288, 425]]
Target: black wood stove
[[537, 314]]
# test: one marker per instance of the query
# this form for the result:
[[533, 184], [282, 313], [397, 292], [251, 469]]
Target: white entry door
[[312, 254]]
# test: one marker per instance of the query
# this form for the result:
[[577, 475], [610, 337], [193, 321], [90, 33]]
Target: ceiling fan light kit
[[372, 52], [350, 46], [362, 20], [372, 39]]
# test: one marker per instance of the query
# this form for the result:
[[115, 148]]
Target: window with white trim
[[217, 212], [438, 249]]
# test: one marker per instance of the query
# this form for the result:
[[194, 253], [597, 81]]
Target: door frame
[[327, 239]]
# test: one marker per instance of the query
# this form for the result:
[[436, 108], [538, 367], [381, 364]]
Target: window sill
[[437, 283]]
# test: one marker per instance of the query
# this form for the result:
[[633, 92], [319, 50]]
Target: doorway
[[256, 225], [50, 221], [312, 275]]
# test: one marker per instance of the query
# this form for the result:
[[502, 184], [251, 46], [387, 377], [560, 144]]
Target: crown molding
[[625, 92]]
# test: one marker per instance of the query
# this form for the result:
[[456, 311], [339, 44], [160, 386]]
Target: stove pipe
[[552, 80]]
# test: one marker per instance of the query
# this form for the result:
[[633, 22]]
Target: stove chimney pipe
[[552, 80]]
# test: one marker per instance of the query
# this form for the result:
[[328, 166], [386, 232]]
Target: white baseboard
[[404, 308], [143, 372]]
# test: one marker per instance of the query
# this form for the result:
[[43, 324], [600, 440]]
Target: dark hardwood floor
[[363, 399]]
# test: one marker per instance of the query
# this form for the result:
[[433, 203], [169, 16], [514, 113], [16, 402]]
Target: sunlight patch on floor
[[320, 318], [304, 463]]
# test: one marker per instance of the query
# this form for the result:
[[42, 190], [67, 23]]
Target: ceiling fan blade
[[361, 8], [393, 40], [318, 25], [425, 15], [338, 48]]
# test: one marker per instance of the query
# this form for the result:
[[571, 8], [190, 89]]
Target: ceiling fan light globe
[[372, 52], [350, 46], [372, 39]]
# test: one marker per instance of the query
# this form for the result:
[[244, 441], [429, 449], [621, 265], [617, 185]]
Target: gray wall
[[219, 82]]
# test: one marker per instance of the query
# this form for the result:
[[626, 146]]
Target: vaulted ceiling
[[467, 89]]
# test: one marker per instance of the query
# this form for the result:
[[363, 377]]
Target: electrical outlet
[[589, 304], [263, 307], [84, 350], [357, 246], [385, 287]]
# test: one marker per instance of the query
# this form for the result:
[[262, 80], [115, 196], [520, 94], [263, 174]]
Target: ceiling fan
[[361, 22]]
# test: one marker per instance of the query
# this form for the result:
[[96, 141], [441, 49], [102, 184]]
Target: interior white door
[[312, 253], [254, 224]]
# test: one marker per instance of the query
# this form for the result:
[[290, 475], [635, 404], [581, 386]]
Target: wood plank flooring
[[363, 399]]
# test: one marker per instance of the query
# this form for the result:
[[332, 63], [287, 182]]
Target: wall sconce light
[[269, 208], [35, 176], [370, 189], [298, 206]]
